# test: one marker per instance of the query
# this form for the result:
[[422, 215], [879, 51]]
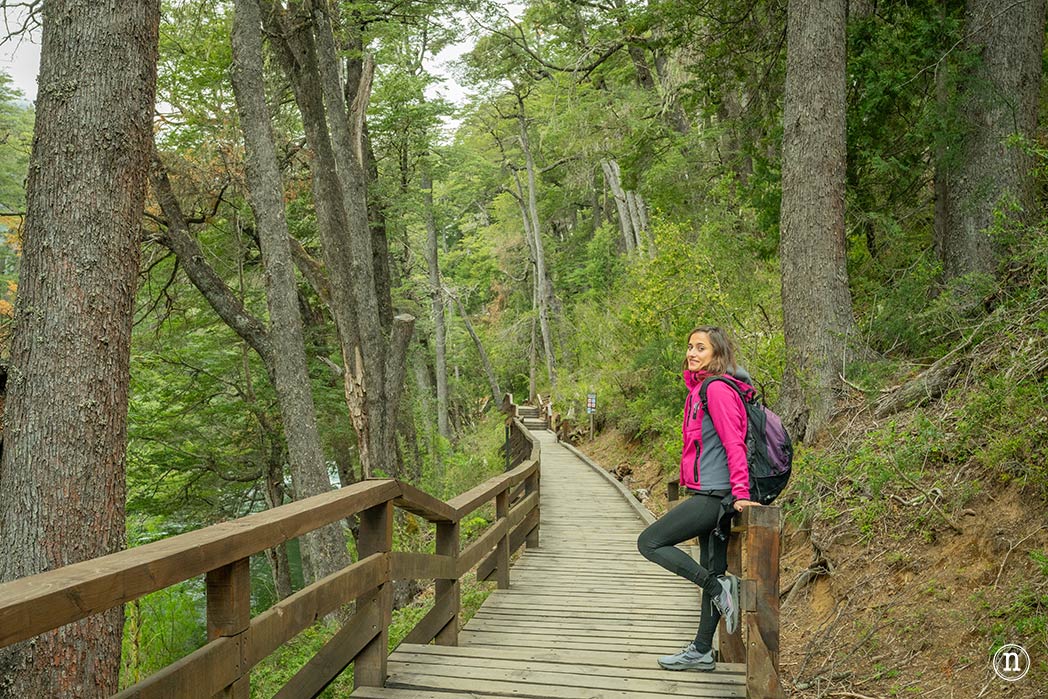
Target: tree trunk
[[437, 305], [304, 45], [941, 172], [816, 301], [425, 393], [533, 347], [545, 290], [598, 214], [612, 178], [383, 357], [636, 206], [62, 476], [999, 99], [277, 556], [409, 434], [384, 280], [289, 371]]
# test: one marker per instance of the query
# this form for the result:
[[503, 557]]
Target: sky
[[20, 58]]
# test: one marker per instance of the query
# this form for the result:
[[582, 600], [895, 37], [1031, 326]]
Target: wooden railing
[[237, 642], [753, 556], [519, 445]]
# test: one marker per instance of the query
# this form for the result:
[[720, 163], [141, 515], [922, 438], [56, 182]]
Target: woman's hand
[[742, 504]]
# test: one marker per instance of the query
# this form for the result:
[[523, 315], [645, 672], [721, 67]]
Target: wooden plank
[[593, 658], [448, 537], [603, 599], [762, 624], [415, 566], [673, 635], [203, 673], [624, 586], [512, 620], [552, 691], [465, 503], [228, 599], [395, 693], [584, 682], [502, 546], [650, 669], [532, 486], [424, 505], [38, 603], [472, 554], [516, 538], [732, 646], [229, 614], [662, 636], [375, 536], [292, 615], [510, 640], [642, 599], [571, 609], [579, 578], [444, 610], [336, 655]]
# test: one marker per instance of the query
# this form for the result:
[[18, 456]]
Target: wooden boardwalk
[[585, 616]]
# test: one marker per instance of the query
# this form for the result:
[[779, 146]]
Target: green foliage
[[166, 625], [475, 459], [270, 675], [16, 134], [1023, 614], [161, 628], [1003, 427]]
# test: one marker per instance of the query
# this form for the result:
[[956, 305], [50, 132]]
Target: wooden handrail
[[471, 499], [38, 603]]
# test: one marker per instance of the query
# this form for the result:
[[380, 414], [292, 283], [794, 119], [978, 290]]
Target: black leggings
[[694, 517]]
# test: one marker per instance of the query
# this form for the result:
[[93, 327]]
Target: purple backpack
[[769, 450]]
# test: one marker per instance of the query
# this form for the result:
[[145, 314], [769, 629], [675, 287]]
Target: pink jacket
[[714, 454]]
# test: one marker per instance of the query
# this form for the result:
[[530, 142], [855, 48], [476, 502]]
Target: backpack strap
[[747, 397]]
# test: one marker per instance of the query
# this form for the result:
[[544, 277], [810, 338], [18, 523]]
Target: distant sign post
[[591, 407]]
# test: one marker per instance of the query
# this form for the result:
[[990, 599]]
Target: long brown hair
[[723, 349]]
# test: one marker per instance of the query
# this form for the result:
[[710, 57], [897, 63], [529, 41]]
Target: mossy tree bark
[[62, 477]]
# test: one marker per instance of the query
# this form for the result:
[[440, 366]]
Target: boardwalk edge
[[639, 508]]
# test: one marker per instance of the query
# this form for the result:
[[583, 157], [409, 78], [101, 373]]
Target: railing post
[[672, 494], [376, 536], [229, 615], [532, 485], [732, 648], [448, 545], [760, 602], [502, 559], [508, 447]]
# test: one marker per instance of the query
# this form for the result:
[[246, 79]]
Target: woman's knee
[[647, 544]]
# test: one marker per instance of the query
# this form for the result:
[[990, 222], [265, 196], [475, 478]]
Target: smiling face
[[700, 352]]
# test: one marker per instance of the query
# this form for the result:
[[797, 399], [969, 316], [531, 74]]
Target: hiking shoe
[[727, 602], [688, 659]]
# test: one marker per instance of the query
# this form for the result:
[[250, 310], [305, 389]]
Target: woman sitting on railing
[[713, 467]]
